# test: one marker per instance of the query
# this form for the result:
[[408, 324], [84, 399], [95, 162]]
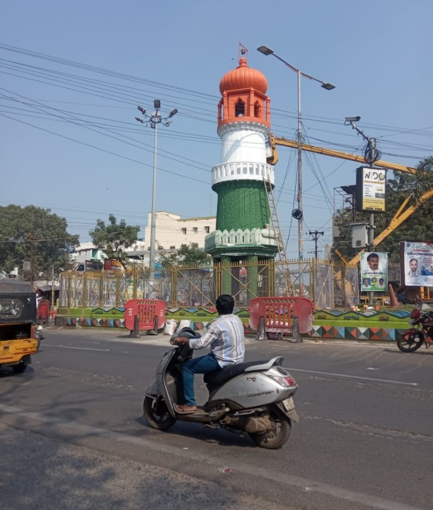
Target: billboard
[[416, 259], [374, 271], [370, 189]]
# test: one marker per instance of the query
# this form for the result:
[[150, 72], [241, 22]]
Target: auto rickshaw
[[19, 336]]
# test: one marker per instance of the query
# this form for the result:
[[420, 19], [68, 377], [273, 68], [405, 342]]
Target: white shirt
[[226, 338]]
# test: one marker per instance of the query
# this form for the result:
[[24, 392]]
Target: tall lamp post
[[152, 121], [298, 214]]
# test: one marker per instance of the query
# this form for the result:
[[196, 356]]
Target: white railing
[[236, 171]]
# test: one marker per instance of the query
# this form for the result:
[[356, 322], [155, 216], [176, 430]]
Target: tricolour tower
[[243, 227]]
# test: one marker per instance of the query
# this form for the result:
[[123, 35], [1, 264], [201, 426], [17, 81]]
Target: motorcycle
[[254, 397], [420, 332]]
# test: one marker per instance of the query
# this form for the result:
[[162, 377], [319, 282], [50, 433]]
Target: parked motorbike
[[420, 332], [254, 397]]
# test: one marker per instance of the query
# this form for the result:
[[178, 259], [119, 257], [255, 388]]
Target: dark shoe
[[185, 409]]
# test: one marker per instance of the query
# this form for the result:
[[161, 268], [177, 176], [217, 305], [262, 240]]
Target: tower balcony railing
[[236, 171]]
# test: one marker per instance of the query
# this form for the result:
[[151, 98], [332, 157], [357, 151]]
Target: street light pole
[[152, 121], [299, 171], [299, 214], [153, 213]]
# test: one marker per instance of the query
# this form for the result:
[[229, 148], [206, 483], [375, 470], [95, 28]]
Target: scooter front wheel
[[410, 342], [156, 413]]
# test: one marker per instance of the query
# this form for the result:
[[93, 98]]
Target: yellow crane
[[399, 217]]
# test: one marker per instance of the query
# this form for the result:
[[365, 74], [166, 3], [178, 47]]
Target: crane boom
[[273, 141], [400, 216]]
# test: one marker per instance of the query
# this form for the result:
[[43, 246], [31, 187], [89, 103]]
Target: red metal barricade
[[144, 315], [274, 316]]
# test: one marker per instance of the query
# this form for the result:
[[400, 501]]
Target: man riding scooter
[[226, 339]]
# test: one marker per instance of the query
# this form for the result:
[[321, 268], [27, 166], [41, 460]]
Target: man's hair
[[372, 256], [415, 260], [225, 304]]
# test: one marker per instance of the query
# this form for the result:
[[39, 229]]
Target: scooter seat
[[219, 377]]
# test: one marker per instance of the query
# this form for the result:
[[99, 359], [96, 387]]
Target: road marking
[[283, 478], [352, 376], [79, 348]]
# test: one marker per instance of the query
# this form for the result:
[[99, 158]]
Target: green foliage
[[188, 256], [22, 227], [418, 226], [114, 238]]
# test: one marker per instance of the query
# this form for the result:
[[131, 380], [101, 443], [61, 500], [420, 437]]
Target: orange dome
[[244, 77]]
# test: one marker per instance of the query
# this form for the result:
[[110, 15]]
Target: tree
[[35, 235], [114, 238], [185, 256], [418, 226]]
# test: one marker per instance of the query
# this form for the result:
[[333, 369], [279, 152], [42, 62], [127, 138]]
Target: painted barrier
[[144, 315], [274, 317]]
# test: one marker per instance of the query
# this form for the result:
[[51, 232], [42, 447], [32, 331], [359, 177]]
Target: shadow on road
[[195, 430]]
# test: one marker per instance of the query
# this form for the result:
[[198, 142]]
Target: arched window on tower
[[257, 109], [239, 108]]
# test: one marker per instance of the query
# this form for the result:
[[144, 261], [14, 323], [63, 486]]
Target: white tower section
[[243, 153]]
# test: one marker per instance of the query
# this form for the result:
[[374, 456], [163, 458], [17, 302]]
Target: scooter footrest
[[212, 426]]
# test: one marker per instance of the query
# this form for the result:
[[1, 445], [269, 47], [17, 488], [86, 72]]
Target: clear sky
[[377, 53]]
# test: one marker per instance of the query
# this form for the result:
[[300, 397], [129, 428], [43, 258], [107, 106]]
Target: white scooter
[[254, 397]]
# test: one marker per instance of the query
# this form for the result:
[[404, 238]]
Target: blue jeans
[[201, 365]]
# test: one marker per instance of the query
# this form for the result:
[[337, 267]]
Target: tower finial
[[242, 53]]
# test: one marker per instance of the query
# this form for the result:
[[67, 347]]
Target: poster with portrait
[[416, 263], [374, 271]]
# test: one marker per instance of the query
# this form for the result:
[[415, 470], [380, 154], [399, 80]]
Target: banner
[[417, 266], [370, 189], [374, 271]]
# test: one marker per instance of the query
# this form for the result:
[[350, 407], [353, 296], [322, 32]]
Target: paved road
[[72, 434]]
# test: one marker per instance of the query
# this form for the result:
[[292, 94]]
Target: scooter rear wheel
[[156, 413], [410, 343], [276, 438]]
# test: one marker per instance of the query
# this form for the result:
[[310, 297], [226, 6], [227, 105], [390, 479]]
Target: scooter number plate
[[288, 404]]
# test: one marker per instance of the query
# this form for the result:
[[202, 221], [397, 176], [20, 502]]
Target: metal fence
[[328, 284]]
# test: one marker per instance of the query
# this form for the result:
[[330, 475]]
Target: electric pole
[[315, 235], [31, 239], [371, 155], [52, 287]]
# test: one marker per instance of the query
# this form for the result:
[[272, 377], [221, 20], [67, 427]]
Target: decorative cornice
[[240, 238], [240, 125]]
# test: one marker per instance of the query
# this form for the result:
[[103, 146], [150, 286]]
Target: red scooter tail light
[[290, 381]]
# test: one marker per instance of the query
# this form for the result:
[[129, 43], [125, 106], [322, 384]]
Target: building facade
[[172, 231]]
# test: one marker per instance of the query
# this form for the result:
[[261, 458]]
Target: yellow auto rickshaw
[[18, 329]]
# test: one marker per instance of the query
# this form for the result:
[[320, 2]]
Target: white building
[[87, 251], [172, 231]]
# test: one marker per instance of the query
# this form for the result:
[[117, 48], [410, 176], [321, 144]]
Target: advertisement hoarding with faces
[[416, 263], [374, 271]]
